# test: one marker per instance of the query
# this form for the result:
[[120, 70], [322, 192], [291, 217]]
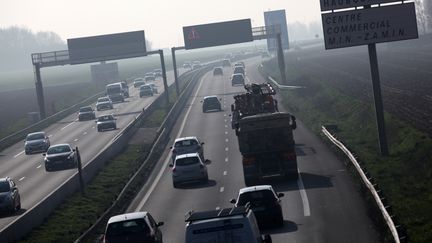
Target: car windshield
[[35, 136], [85, 109], [184, 143], [105, 118], [256, 196], [139, 80], [237, 77], [211, 100], [59, 149], [133, 227], [145, 87], [4, 186], [103, 99], [187, 161]]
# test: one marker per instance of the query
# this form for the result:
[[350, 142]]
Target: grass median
[[404, 176]]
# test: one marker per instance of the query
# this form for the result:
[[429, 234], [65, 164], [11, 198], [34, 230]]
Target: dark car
[[150, 77], [146, 90], [239, 69], [138, 82], [36, 142], [237, 79], [106, 122], [60, 156], [10, 199], [133, 227], [86, 113], [226, 63], [264, 202], [217, 71], [211, 103], [158, 72]]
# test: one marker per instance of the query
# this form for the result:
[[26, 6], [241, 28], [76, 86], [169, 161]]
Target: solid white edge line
[[22, 178], [303, 195], [159, 176], [222, 189]]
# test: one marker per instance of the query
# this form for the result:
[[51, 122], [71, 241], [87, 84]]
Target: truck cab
[[115, 92]]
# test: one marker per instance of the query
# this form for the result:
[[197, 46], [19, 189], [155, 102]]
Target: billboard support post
[[164, 76], [39, 91], [379, 110], [281, 58], [173, 49]]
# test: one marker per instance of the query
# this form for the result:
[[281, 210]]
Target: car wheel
[[175, 185], [27, 153], [99, 129], [47, 168], [18, 208]]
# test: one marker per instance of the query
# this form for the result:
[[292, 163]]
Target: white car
[[188, 167], [104, 103], [187, 145]]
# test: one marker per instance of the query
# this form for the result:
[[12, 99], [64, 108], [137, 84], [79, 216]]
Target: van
[[115, 92], [236, 225]]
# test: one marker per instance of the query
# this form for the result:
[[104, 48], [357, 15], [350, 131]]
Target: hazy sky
[[162, 20]]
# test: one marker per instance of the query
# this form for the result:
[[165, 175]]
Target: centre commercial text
[[349, 25], [335, 3]]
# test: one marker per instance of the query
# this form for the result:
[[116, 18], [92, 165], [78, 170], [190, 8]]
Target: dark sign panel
[[277, 18], [340, 4], [106, 47], [217, 34], [367, 26]]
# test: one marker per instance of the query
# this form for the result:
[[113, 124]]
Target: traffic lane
[[170, 205], [338, 211]]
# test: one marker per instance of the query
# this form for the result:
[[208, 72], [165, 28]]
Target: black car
[[264, 202], [237, 79], [86, 113], [106, 122], [60, 156], [217, 71], [10, 199], [211, 103]]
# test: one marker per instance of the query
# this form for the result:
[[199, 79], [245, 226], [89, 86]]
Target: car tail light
[[289, 156], [173, 169], [248, 160]]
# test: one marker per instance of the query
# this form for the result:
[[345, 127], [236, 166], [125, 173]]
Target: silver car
[[36, 142], [106, 122], [104, 103], [188, 167], [187, 145]]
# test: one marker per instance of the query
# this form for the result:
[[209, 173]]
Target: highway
[[28, 171], [324, 205]]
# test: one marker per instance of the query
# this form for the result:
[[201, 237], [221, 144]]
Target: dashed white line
[[226, 159], [225, 114], [66, 126], [217, 208], [226, 149], [226, 140], [226, 132], [225, 173], [22, 178], [93, 127], [226, 125], [76, 139], [39, 166], [84, 133], [221, 189], [50, 135], [226, 120], [19, 154]]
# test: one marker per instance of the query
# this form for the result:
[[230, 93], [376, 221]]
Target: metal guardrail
[[387, 217]]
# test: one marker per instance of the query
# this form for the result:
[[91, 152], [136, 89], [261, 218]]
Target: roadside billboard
[[277, 18]]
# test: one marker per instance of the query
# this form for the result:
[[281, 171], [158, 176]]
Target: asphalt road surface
[[322, 206]]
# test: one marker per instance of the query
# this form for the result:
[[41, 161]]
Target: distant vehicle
[[237, 79], [188, 167], [106, 122], [86, 113], [150, 77], [226, 63], [158, 72], [187, 65], [60, 155], [217, 71], [10, 199], [36, 142], [133, 227], [264, 202], [104, 103], [187, 145], [125, 88], [115, 92], [146, 90], [154, 87], [228, 223], [211, 103], [239, 69], [138, 82], [196, 66], [241, 64], [265, 54]]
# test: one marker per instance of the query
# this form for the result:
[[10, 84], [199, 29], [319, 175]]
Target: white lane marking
[[226, 125], [38, 166], [225, 173], [226, 159], [226, 149], [225, 114], [306, 208], [168, 158], [226, 132], [19, 154], [93, 127], [22, 178], [226, 140], [84, 133], [226, 120], [66, 126], [221, 189], [217, 208], [76, 139], [50, 135]]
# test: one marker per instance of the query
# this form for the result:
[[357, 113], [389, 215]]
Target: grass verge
[[404, 176]]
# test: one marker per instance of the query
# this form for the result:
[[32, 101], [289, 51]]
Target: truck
[[264, 134], [115, 92]]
